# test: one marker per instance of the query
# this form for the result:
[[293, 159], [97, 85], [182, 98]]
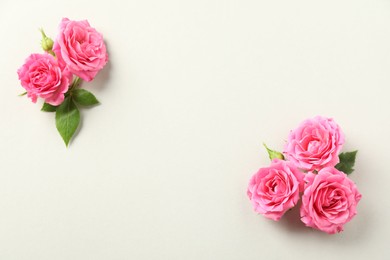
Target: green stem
[[76, 82]]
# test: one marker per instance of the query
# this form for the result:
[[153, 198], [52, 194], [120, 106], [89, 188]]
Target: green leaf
[[48, 108], [67, 119], [347, 161], [273, 154], [84, 97], [23, 94]]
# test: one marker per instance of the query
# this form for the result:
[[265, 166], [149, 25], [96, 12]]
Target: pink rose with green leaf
[[312, 160], [77, 54]]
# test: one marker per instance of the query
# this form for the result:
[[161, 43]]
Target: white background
[[160, 169]]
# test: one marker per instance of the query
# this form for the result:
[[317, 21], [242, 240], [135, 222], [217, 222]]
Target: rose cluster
[[312, 167], [78, 53]]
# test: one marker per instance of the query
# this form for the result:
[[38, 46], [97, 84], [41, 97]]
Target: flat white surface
[[159, 170]]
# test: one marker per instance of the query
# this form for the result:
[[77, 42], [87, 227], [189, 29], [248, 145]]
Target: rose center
[[276, 186], [313, 146], [333, 200]]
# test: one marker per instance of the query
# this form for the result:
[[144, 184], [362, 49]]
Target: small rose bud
[[46, 42], [274, 154]]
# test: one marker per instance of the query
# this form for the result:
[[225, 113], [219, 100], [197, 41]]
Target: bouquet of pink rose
[[77, 54], [314, 168]]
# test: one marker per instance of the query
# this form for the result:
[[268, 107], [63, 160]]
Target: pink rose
[[275, 189], [315, 144], [42, 76], [81, 48], [329, 200]]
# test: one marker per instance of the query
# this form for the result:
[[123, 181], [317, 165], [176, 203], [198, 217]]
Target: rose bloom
[[42, 76], [275, 189], [81, 48], [329, 200], [315, 144]]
